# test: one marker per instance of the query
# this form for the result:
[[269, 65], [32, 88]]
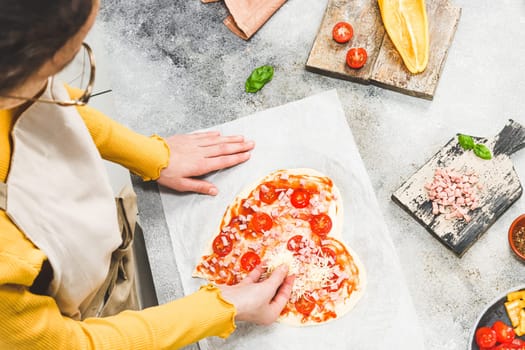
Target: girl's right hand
[[260, 302]]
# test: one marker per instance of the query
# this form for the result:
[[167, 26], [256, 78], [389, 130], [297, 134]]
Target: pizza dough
[[295, 217]]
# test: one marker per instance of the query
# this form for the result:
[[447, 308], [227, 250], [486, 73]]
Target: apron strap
[[118, 292], [3, 195]]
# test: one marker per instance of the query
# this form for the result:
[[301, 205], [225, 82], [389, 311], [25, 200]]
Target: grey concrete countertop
[[176, 68]]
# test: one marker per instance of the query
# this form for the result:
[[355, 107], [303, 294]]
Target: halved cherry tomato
[[249, 261], [295, 243], [321, 224], [333, 286], [261, 222], [329, 253], [485, 337], [342, 32], [300, 198], [356, 57], [503, 346], [504, 332], [267, 194], [222, 245], [518, 343], [305, 305]]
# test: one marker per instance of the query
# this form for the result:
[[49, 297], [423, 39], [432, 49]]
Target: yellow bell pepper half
[[406, 23]]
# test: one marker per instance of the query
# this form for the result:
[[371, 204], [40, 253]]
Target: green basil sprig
[[259, 77], [467, 142]]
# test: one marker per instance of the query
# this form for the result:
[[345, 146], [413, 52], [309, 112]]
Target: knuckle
[[202, 188], [225, 148]]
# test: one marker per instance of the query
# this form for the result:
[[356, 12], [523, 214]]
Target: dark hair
[[32, 31]]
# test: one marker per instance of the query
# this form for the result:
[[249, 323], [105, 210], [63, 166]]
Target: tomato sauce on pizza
[[293, 217]]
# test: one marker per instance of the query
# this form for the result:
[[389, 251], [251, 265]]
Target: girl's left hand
[[198, 154]]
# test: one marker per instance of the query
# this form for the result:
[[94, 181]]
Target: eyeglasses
[[80, 59]]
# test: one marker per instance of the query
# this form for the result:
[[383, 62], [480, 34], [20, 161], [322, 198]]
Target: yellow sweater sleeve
[[144, 156], [31, 321]]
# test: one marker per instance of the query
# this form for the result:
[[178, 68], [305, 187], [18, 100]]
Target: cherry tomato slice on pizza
[[267, 193], [249, 261], [222, 245], [356, 57], [485, 337], [305, 305], [329, 253], [504, 332], [342, 32], [321, 224], [334, 286], [295, 243], [261, 222], [300, 198]]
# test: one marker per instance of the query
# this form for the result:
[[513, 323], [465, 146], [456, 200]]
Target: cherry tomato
[[321, 224], [485, 337], [305, 305], [504, 346], [300, 198], [222, 245], [518, 343], [249, 261], [504, 332], [342, 32], [356, 57], [333, 286], [267, 194], [261, 222], [329, 253], [295, 243]]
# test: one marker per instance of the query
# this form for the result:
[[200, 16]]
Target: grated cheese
[[312, 271]]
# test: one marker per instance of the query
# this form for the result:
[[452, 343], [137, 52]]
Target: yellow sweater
[[31, 321]]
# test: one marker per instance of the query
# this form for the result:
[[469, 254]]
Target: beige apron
[[58, 194]]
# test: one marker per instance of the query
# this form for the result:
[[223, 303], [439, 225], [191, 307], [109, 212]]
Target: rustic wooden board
[[501, 187], [328, 57], [384, 67]]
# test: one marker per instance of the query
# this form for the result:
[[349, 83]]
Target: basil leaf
[[466, 141], [253, 86], [482, 151], [258, 78]]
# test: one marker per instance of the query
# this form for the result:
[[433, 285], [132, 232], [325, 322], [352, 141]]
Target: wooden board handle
[[510, 139]]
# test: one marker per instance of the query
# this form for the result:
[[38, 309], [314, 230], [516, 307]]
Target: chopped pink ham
[[453, 193]]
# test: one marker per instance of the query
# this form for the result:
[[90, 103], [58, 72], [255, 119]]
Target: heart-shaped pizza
[[293, 217]]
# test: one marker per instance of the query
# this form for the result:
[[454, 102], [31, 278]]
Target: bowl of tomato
[[493, 329], [517, 237]]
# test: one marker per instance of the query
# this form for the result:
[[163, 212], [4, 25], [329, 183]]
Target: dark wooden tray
[[501, 188]]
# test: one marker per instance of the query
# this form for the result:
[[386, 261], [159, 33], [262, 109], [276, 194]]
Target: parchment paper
[[310, 133]]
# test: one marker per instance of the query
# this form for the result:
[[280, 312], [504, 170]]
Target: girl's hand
[[257, 301], [198, 154]]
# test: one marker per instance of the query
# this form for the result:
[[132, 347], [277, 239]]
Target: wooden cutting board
[[500, 187], [384, 66]]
